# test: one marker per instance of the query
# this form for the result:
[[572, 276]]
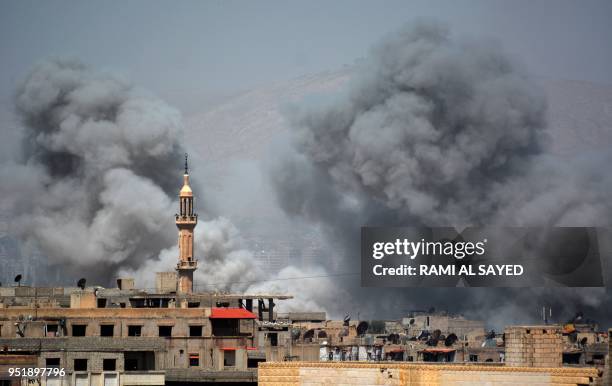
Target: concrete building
[[419, 321], [127, 336]]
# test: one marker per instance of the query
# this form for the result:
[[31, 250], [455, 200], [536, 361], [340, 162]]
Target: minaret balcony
[[187, 264], [186, 219]]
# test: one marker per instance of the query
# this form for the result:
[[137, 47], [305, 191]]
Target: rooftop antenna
[[186, 167]]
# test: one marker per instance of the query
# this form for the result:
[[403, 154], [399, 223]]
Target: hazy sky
[[202, 49]]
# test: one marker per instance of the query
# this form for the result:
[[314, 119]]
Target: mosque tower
[[186, 221]]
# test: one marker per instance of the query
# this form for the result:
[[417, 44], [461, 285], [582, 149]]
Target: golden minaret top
[[186, 189]]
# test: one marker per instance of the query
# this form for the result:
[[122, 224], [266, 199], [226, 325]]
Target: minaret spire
[[186, 221]]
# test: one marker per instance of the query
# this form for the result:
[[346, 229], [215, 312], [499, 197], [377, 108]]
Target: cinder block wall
[[390, 373], [534, 346]]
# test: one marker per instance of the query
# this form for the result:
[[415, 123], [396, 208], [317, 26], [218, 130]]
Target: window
[[131, 364], [273, 339], [134, 330], [107, 330], [52, 330], [109, 364], [473, 358], [52, 362], [252, 362], [165, 330], [80, 365], [225, 327], [194, 360], [195, 330], [139, 360], [229, 358], [79, 329], [101, 303]]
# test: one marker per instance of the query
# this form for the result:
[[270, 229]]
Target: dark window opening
[[229, 358], [165, 330], [131, 364], [80, 365], [273, 339], [101, 303], [438, 357], [599, 359], [194, 360], [52, 330], [410, 358], [138, 303], [225, 327], [252, 362], [134, 330], [473, 358], [52, 362], [107, 330], [193, 304], [109, 364], [195, 330], [79, 329], [139, 360]]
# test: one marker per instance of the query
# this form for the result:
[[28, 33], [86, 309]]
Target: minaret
[[186, 221]]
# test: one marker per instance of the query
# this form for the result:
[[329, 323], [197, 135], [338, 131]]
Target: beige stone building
[[127, 336], [352, 373]]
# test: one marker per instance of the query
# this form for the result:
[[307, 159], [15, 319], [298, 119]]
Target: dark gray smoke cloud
[[437, 131], [95, 188]]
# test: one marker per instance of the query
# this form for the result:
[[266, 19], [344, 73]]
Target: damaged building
[[128, 336]]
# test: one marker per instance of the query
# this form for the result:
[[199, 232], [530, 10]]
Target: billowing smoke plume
[[96, 187], [435, 131], [225, 266]]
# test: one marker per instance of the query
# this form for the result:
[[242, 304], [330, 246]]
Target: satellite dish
[[347, 319], [18, 279], [81, 283], [434, 338], [411, 322], [424, 335], [362, 327], [450, 340]]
